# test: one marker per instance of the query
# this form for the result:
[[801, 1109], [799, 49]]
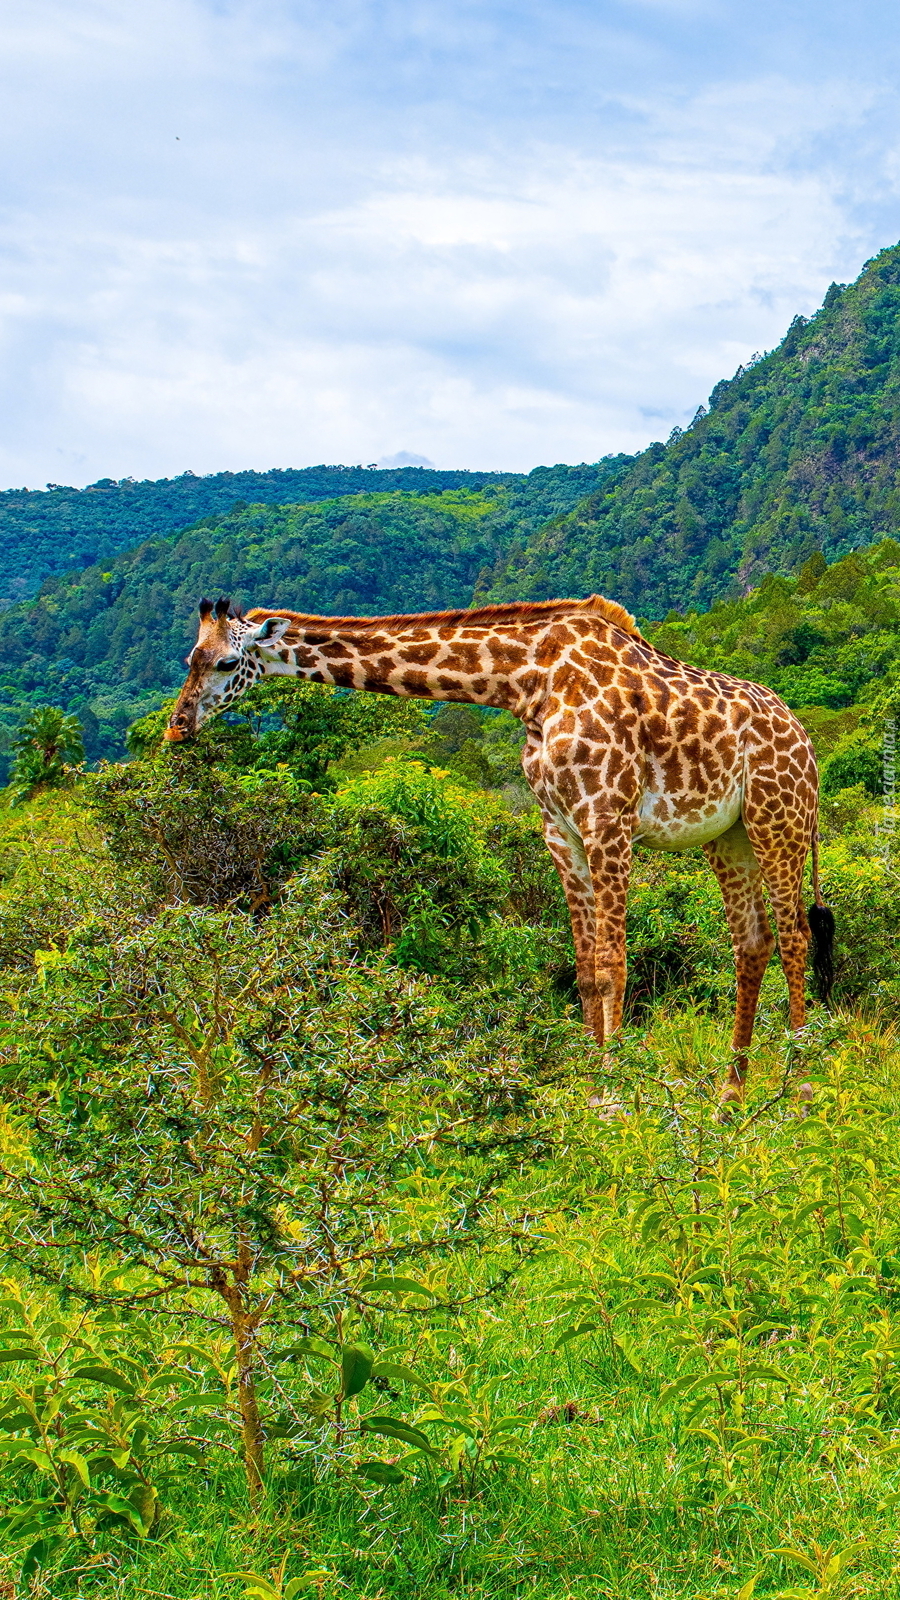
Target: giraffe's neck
[[440, 660]]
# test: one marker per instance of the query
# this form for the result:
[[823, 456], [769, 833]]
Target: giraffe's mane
[[512, 611]]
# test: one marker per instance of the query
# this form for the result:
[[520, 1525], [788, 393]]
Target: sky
[[273, 233]]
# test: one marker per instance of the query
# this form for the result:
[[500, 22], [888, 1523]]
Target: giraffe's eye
[[227, 663]]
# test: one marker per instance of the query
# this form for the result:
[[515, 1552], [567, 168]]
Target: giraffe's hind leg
[[740, 877], [782, 858]]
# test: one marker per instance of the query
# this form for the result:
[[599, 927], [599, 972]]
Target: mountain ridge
[[44, 532], [799, 451]]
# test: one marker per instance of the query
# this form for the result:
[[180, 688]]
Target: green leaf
[[20, 1353], [770, 1374], [143, 1498], [396, 1372], [394, 1428], [258, 1588], [398, 1286], [181, 1448], [119, 1457], [105, 1375], [39, 1554], [575, 1333], [200, 1400], [380, 1472], [789, 1553], [73, 1459], [308, 1347], [357, 1361], [35, 1516], [118, 1506]]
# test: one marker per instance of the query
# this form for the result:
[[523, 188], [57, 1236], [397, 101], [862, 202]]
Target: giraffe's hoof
[[730, 1100], [605, 1105], [806, 1096]]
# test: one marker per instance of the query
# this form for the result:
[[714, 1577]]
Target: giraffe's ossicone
[[623, 744]]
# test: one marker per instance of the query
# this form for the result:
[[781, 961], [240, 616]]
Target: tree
[[283, 722], [47, 743], [259, 1131]]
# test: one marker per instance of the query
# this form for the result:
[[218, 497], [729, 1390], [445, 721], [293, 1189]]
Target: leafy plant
[[186, 829], [47, 743], [469, 1435], [88, 1433]]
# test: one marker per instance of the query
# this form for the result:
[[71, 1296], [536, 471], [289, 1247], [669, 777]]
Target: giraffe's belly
[[663, 824]]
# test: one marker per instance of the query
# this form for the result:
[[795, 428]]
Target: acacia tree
[[258, 1130], [284, 722]]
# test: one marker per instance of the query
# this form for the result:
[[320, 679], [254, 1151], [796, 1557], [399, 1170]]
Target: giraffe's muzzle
[[176, 735]]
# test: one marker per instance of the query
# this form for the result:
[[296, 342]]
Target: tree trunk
[[243, 1328], [251, 1428]]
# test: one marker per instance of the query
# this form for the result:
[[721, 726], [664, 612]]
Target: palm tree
[[46, 745]]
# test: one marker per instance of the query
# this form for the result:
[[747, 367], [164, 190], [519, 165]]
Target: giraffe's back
[[684, 750]]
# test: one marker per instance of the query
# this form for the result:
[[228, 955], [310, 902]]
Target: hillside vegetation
[[799, 451], [59, 529], [104, 642]]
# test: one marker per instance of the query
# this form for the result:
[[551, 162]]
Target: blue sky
[[264, 233]]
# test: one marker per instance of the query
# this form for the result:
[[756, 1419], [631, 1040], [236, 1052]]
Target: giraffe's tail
[[821, 926]]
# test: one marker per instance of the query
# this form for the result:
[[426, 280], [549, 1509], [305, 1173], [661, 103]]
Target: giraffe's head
[[229, 656]]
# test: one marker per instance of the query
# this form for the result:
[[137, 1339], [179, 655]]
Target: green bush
[[253, 1129], [186, 829], [856, 761], [54, 873], [414, 864]]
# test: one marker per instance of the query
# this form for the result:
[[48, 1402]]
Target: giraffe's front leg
[[571, 863], [608, 851]]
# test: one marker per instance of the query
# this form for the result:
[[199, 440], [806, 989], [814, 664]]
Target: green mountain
[[60, 529], [797, 455], [107, 641], [799, 451]]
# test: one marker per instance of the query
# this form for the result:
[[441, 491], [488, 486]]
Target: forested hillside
[[101, 641], [62, 529], [798, 455], [59, 529], [798, 452]]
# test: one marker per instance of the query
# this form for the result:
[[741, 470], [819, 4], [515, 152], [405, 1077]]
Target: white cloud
[[283, 233]]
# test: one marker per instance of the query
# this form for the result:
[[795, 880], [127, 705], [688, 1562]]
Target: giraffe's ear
[[269, 633]]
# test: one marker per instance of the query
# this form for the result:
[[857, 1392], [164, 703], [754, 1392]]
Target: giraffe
[[623, 744]]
